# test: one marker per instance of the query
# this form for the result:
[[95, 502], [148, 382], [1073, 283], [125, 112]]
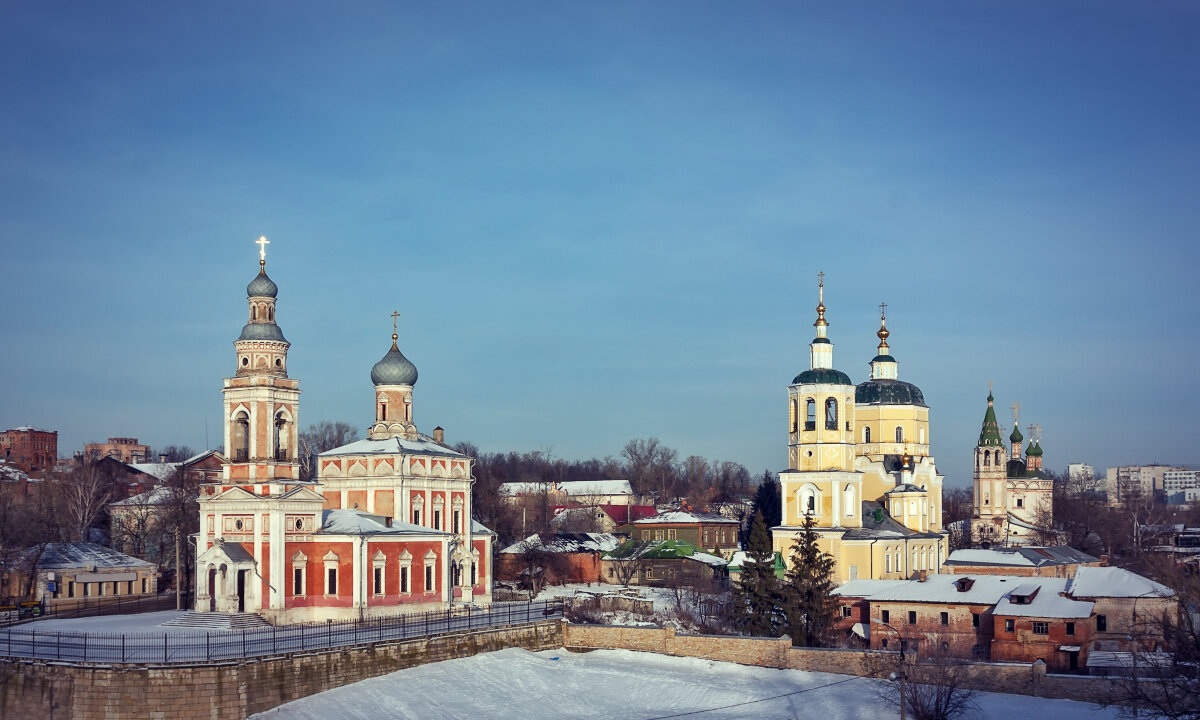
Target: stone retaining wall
[[233, 690], [1020, 679]]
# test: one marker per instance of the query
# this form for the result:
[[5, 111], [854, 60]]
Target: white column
[[278, 557], [254, 598], [837, 503], [357, 571]]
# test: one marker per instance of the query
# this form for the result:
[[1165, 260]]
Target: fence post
[[58, 646], [207, 648], [274, 629], [122, 647], [85, 637], [164, 647], [243, 642], [33, 645]]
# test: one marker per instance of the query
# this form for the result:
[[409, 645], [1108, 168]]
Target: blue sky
[[602, 221]]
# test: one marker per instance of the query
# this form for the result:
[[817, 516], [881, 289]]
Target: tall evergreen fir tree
[[756, 596], [767, 500], [808, 590]]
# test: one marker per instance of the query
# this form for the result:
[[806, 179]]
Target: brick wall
[[1020, 679], [233, 690]]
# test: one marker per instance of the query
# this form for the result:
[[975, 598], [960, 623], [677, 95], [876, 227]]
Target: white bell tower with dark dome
[[394, 377]]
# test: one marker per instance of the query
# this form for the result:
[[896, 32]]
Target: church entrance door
[[212, 589], [241, 590]]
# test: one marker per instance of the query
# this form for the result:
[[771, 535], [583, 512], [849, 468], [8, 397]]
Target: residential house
[[1129, 609], [65, 573], [667, 563], [560, 557], [1036, 620], [707, 530]]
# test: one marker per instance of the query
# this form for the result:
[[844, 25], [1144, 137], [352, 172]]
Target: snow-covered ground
[[663, 598], [625, 684], [135, 623]]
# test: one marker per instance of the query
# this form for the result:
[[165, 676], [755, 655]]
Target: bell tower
[[991, 467], [394, 377], [261, 402]]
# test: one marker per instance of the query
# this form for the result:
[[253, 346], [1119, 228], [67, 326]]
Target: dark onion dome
[[262, 331], [1016, 435], [394, 369], [884, 391], [822, 376], [1035, 450], [262, 286]]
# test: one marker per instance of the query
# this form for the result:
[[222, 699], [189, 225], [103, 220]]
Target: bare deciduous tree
[[84, 493], [322, 436]]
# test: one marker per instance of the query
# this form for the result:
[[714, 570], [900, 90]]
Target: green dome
[[884, 391], [1035, 450], [1016, 435], [822, 376]]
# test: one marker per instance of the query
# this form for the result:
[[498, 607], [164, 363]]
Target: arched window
[[810, 415], [808, 500], [899, 434], [271, 314], [241, 437], [987, 458], [253, 312], [382, 411], [866, 434], [921, 436], [281, 434], [849, 500], [887, 562], [830, 414]]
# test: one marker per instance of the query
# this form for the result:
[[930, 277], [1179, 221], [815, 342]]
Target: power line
[[751, 702]]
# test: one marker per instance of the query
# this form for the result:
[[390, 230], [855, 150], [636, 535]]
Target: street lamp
[[900, 674]]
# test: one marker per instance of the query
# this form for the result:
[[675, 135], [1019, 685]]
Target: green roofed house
[[667, 563], [741, 556]]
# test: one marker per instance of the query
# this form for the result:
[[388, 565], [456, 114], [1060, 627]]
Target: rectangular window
[[437, 519], [416, 517], [1009, 624], [1041, 628], [404, 579], [71, 589], [429, 578], [945, 618], [457, 521], [645, 534], [87, 589], [706, 536], [885, 616], [853, 572], [1070, 628], [331, 581], [912, 617], [649, 572], [378, 580], [846, 611], [672, 535], [297, 581], [1102, 623], [144, 590], [974, 620], [658, 534]]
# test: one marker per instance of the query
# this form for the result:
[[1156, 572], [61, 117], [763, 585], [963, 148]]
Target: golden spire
[[395, 337], [883, 331], [820, 300]]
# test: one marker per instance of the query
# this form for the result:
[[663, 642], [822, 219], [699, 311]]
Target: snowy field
[[629, 685]]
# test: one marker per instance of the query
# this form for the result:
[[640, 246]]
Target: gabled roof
[[1114, 582], [685, 517], [566, 543], [83, 554], [154, 496], [1045, 600], [423, 445], [665, 550], [596, 487], [978, 590], [162, 471], [877, 524]]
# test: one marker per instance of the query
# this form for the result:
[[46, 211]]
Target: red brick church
[[385, 526]]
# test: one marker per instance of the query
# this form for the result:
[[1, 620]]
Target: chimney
[[1103, 561], [162, 457], [439, 435], [922, 575]]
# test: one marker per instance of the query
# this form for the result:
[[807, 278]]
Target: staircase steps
[[219, 621]]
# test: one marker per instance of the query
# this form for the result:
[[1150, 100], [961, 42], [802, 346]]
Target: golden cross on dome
[[990, 387], [262, 243], [395, 314], [1016, 408], [821, 279], [883, 311], [1036, 431]]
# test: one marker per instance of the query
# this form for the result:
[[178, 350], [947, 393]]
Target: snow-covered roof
[[517, 489], [11, 473], [423, 445], [1115, 582], [162, 471], [153, 496], [979, 589], [200, 456], [83, 554], [566, 543], [596, 487], [865, 588], [478, 527], [1020, 556], [1045, 601], [357, 522], [685, 516]]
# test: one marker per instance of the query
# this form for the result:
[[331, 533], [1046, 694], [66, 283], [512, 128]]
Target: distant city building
[[30, 449], [1082, 477], [1013, 495], [1181, 487], [1130, 483], [125, 449], [860, 468]]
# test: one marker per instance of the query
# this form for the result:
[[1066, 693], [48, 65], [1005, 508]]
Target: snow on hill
[[515, 683]]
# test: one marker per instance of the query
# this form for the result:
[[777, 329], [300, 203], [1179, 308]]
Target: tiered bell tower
[[394, 377], [261, 401], [991, 468]]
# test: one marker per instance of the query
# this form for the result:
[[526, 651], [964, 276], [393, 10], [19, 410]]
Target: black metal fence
[[190, 645], [87, 607]]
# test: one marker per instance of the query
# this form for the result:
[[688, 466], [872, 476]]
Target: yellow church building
[[859, 465]]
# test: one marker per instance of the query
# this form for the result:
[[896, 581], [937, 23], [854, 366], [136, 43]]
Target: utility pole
[[178, 574]]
